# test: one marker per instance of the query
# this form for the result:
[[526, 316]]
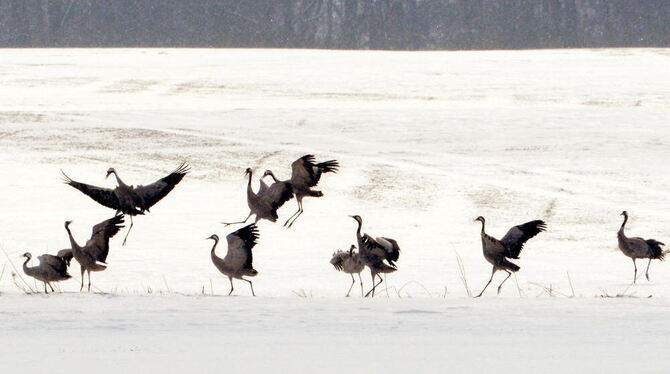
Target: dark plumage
[[305, 174], [655, 250], [497, 251], [517, 236], [639, 248], [66, 255], [128, 199]]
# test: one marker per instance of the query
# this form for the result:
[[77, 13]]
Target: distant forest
[[351, 24]]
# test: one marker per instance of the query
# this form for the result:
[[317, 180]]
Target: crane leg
[[128, 233], [82, 279], [377, 285], [509, 274], [289, 218], [45, 287], [231, 286], [245, 220], [89, 280], [361, 279], [52, 288], [647, 272], [295, 219], [374, 286], [634, 274], [487, 284], [353, 281], [250, 285], [295, 215]]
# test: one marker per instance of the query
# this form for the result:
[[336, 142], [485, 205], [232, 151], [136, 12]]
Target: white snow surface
[[427, 141]]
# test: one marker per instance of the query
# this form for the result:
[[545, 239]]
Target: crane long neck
[[26, 269], [216, 242], [118, 179], [483, 224], [273, 177], [623, 225], [73, 243], [358, 231], [250, 191]]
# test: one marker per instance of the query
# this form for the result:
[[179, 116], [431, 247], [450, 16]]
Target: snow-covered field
[[427, 142]]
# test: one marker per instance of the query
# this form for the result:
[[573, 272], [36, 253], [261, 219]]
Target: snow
[[427, 142]]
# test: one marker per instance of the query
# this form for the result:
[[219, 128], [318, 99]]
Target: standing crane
[[51, 269], [305, 174], [239, 259], [266, 201], [127, 199], [374, 252], [497, 251], [351, 263], [639, 248], [92, 256]]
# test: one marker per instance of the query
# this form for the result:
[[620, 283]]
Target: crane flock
[[378, 254]]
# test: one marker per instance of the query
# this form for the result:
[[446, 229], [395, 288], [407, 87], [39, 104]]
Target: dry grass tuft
[[461, 271]]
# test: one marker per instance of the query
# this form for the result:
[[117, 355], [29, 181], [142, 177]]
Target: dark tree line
[[367, 24]]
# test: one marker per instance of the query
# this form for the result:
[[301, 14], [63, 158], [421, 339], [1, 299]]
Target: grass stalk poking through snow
[[464, 279], [571, 288]]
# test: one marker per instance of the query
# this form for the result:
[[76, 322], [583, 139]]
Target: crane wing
[[655, 250], [56, 263], [391, 247], [101, 195], [278, 194], [153, 193], [305, 172], [240, 243], [263, 188], [66, 255], [384, 250], [338, 259], [302, 172], [98, 245], [518, 235]]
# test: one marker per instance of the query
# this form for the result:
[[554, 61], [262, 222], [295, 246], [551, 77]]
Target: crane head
[[248, 171], [624, 213], [357, 218], [27, 255], [213, 237], [267, 172], [351, 249], [110, 171], [67, 223], [480, 219]]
